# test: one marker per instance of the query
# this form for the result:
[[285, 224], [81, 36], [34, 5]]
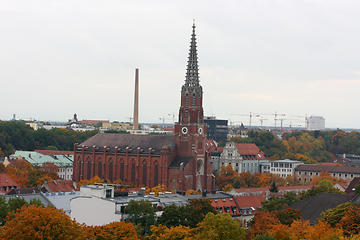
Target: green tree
[[218, 227], [141, 213], [174, 216], [288, 216], [357, 189], [334, 215], [4, 209], [198, 209]]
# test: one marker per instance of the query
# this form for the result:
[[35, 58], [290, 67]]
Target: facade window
[[334, 174], [339, 175], [237, 164], [352, 175], [187, 100], [193, 100]]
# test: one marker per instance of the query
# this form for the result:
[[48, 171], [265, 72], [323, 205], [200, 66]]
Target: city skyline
[[293, 58]]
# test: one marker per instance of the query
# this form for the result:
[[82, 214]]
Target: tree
[[357, 189], [115, 231], [334, 215], [225, 176], [162, 232], [349, 223], [142, 213], [220, 226], [198, 209], [273, 187], [288, 216], [174, 216], [42, 223], [261, 223]]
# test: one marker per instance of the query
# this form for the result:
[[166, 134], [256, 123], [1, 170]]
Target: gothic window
[[99, 172], [80, 175], [111, 165], [122, 171], [132, 178], [144, 173], [88, 169], [187, 99], [193, 100], [156, 174], [186, 114]]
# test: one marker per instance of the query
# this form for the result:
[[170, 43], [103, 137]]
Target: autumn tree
[[220, 226], [324, 176], [288, 216], [174, 216], [198, 209], [325, 186], [162, 232], [115, 231], [274, 203], [333, 216], [261, 223], [349, 223], [225, 176], [31, 222]]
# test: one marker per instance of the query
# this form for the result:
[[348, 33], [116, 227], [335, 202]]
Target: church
[[180, 162]]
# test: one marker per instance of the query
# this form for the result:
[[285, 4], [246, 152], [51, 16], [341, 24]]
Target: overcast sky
[[295, 58]]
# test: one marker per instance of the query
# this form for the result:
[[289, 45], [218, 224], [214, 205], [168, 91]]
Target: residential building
[[305, 172], [116, 125], [7, 184], [62, 159], [97, 204], [60, 186], [243, 157], [284, 167]]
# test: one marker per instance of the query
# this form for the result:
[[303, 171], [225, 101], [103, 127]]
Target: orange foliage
[[350, 222], [42, 223], [264, 180], [42, 180], [90, 181], [191, 191], [262, 223], [18, 171], [161, 232], [228, 187], [115, 231]]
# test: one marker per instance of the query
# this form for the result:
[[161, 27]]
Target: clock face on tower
[[200, 130], [184, 130]]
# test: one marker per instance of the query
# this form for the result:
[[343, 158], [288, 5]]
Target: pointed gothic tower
[[190, 131]]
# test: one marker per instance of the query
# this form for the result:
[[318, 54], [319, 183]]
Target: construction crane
[[247, 115], [130, 118], [163, 119], [275, 116], [173, 116], [262, 121], [306, 120]]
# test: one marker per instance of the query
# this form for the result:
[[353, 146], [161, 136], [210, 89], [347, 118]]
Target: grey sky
[[58, 58]]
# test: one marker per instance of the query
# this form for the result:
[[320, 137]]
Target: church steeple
[[191, 110], [192, 71]]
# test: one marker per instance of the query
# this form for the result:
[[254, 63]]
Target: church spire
[[192, 71]]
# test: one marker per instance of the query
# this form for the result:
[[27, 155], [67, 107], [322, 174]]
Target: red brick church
[[180, 161]]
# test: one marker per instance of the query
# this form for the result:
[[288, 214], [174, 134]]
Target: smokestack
[[136, 101]]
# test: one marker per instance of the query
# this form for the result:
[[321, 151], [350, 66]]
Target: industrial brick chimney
[[136, 101]]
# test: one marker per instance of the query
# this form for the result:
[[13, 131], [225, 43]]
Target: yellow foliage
[[191, 192]]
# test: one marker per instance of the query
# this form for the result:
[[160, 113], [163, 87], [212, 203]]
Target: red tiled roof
[[249, 149], [249, 201], [225, 205], [55, 152], [330, 164], [60, 185], [263, 190], [6, 181], [211, 144]]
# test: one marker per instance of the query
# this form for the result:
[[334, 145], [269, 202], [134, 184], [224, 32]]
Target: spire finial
[[194, 21]]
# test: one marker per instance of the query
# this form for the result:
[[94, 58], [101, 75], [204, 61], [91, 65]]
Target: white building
[[97, 205], [316, 123], [243, 157], [284, 167]]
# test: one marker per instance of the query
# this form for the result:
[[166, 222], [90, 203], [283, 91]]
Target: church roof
[[133, 141], [178, 160]]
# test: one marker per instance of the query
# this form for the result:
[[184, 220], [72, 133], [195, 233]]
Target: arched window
[[186, 99], [111, 170], [88, 169], [144, 173], [193, 100], [132, 177], [79, 167], [122, 170], [99, 169], [156, 173]]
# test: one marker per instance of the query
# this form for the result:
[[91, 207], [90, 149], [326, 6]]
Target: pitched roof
[[352, 185], [248, 150], [226, 205], [60, 186], [6, 181], [330, 169], [178, 160], [211, 145], [37, 158], [250, 201], [54, 152], [133, 141], [32, 190], [311, 208]]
